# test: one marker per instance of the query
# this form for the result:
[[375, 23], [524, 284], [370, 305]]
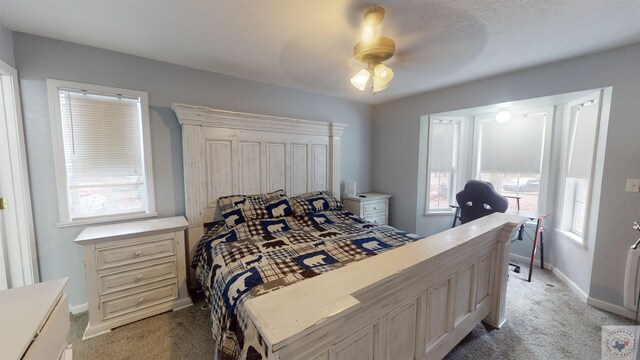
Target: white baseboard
[[77, 309], [526, 260], [573, 286], [603, 305], [616, 309]]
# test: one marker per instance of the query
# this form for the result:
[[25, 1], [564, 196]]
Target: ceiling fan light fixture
[[361, 79], [372, 51]]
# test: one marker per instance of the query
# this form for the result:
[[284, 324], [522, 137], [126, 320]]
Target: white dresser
[[133, 270], [34, 322], [373, 207]]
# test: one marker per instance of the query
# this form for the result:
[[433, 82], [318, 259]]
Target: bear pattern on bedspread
[[263, 255]]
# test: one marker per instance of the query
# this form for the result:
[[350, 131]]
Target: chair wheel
[[516, 270]]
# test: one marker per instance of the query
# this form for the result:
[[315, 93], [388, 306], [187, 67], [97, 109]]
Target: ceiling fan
[[372, 50]]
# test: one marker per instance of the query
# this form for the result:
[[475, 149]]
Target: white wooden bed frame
[[414, 302]]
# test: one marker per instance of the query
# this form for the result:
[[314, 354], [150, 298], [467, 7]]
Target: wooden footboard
[[414, 302]]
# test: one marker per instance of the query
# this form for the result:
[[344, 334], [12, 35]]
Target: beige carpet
[[545, 320]]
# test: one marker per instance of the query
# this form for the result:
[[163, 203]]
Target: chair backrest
[[478, 199]]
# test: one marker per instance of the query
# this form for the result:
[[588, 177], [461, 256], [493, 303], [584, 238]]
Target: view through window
[[525, 186]]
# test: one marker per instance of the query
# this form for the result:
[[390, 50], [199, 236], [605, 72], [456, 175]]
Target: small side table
[[372, 207]]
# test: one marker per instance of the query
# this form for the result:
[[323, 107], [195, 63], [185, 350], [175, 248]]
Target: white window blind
[[582, 141], [103, 153], [442, 145], [512, 147]]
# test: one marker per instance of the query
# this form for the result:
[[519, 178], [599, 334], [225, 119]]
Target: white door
[[3, 268], [18, 265], [4, 175]]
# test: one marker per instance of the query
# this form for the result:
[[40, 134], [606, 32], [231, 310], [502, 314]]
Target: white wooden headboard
[[227, 153]]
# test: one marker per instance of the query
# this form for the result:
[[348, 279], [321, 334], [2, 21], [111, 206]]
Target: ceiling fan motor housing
[[378, 50]]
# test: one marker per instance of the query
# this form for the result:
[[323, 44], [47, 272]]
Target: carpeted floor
[[545, 320]]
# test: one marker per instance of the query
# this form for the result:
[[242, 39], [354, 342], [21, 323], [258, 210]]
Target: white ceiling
[[307, 44]]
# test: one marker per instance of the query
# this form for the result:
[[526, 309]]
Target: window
[[580, 142], [102, 153], [444, 142], [510, 155]]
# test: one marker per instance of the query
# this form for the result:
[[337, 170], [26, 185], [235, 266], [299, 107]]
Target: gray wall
[[39, 58], [396, 148], [6, 46]]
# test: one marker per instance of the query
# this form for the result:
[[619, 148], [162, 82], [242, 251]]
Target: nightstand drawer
[[374, 207], [127, 279], [116, 256], [379, 219], [134, 302]]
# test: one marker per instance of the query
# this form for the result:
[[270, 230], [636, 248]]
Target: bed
[[318, 282]]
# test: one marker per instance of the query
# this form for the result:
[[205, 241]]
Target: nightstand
[[373, 207], [133, 270]]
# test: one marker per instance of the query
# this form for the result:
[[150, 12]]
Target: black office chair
[[478, 199]]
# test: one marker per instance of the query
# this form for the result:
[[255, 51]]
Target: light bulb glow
[[369, 33], [361, 79], [503, 116], [383, 73]]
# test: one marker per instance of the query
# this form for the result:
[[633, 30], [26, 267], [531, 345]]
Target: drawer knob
[[137, 253], [141, 300], [139, 277]]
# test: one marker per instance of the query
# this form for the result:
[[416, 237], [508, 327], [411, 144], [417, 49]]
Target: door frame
[[23, 248]]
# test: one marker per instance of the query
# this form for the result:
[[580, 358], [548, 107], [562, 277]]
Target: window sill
[[106, 219], [572, 237]]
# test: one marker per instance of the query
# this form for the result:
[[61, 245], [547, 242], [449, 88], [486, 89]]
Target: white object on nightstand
[[34, 322], [133, 271], [373, 207]]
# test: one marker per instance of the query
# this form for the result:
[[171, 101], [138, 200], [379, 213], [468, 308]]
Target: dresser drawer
[[108, 283], [156, 247], [130, 303], [374, 207]]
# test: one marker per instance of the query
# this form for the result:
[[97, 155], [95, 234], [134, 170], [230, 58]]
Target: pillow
[[238, 209], [314, 202], [278, 204]]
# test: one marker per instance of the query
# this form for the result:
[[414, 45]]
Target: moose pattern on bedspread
[[263, 255]]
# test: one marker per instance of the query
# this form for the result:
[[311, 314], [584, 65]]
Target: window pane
[[580, 204], [526, 186], [106, 200], [439, 190]]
